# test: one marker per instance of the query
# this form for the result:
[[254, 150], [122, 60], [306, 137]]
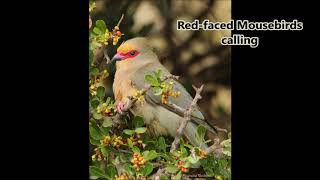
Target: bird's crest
[[125, 47], [138, 43]]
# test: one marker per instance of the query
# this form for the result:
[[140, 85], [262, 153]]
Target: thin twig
[[124, 151], [90, 21], [186, 118], [158, 173], [119, 22]]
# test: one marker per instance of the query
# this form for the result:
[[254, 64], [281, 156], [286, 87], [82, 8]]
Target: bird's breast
[[122, 86]]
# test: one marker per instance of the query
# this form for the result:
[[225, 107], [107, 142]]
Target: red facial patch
[[130, 54]]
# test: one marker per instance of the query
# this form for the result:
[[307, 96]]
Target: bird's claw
[[120, 107]]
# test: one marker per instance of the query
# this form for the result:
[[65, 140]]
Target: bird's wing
[[184, 100]]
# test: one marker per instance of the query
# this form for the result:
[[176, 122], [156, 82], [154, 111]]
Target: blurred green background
[[196, 56]]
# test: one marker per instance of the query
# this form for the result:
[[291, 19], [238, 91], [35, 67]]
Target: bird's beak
[[117, 57]]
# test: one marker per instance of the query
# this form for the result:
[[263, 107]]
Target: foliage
[[126, 151]]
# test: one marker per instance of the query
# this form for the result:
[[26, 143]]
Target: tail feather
[[202, 122]]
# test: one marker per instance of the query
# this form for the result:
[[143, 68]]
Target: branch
[[119, 22], [158, 173], [215, 148], [187, 116]]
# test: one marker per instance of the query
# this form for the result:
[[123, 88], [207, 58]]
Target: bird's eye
[[132, 53]]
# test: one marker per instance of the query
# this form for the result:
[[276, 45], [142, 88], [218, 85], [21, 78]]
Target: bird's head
[[134, 50]]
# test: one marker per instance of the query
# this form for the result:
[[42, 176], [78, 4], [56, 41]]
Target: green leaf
[[97, 172], [100, 92], [127, 168], [105, 130], [140, 130], [157, 91], [135, 149], [104, 151], [147, 169], [162, 144], [201, 132], [226, 143], [193, 160], [94, 71], [172, 169], [95, 103], [178, 176], [138, 121], [151, 80], [97, 31], [183, 150], [90, 57], [128, 132], [227, 151], [209, 172], [95, 132], [94, 142], [111, 171], [101, 25], [130, 144], [150, 155], [163, 177], [108, 100], [107, 123], [158, 74], [97, 115], [188, 146]]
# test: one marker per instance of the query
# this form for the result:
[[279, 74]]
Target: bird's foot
[[120, 108]]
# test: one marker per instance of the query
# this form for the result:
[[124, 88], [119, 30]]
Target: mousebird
[[134, 59]]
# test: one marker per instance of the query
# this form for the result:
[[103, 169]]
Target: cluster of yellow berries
[[106, 141], [218, 177], [137, 161], [201, 153], [105, 110], [104, 74], [121, 177], [117, 141], [167, 92], [139, 95], [93, 89], [98, 155], [95, 82], [116, 35], [180, 166], [136, 140]]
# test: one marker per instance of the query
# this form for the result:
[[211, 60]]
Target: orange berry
[[184, 169], [118, 33]]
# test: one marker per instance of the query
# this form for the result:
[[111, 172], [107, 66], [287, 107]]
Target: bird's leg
[[120, 107]]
